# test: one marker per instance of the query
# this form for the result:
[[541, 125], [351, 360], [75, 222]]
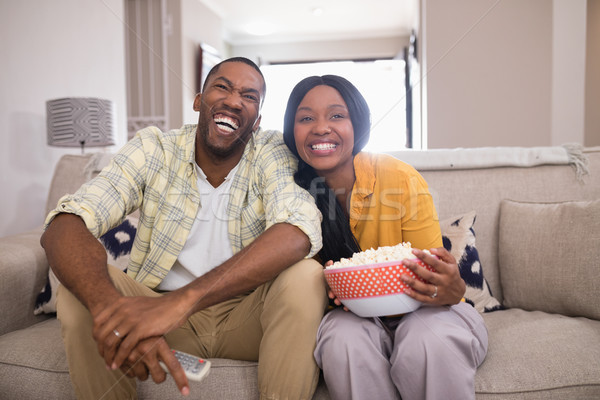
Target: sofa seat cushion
[[536, 355], [33, 364]]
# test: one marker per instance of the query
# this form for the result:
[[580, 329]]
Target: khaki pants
[[276, 324]]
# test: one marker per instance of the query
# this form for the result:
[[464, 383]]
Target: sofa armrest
[[24, 270]]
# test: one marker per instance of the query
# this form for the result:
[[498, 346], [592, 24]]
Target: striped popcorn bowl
[[373, 290]]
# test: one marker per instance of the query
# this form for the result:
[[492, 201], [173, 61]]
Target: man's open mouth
[[226, 123]]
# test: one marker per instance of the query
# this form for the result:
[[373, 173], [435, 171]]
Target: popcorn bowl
[[373, 290]]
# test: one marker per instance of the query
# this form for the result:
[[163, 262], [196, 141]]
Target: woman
[[368, 201]]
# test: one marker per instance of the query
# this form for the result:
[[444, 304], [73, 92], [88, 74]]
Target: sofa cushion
[[536, 355], [71, 171], [33, 363], [548, 256], [23, 271], [459, 239], [117, 242]]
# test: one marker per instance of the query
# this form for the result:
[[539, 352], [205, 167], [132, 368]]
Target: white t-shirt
[[207, 245]]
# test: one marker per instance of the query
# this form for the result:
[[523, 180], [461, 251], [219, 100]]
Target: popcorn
[[371, 256]]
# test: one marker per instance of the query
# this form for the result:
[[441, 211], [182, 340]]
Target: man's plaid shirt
[[156, 173]]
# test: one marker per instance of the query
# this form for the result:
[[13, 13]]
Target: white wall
[[50, 49], [492, 75], [199, 25], [504, 73], [489, 72], [568, 72], [379, 47], [592, 77]]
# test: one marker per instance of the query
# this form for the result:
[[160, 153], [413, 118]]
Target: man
[[220, 264]]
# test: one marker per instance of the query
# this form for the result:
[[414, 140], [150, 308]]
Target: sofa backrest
[[72, 171], [457, 191]]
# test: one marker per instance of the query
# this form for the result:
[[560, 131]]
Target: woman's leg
[[437, 351], [354, 355]]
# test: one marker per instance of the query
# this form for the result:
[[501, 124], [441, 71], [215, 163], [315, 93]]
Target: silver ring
[[116, 332], [433, 296]]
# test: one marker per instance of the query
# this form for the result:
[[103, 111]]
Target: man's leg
[[275, 324], [292, 312], [87, 369]]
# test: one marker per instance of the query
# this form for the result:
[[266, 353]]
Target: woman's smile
[[323, 130]]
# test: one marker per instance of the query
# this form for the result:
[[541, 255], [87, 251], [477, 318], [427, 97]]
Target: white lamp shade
[[80, 121]]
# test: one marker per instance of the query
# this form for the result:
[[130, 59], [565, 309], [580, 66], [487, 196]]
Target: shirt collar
[[190, 142], [190, 132], [365, 175], [230, 175]]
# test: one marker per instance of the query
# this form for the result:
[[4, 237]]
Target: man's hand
[[135, 319], [443, 286], [143, 360]]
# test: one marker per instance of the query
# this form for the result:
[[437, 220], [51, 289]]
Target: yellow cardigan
[[391, 203]]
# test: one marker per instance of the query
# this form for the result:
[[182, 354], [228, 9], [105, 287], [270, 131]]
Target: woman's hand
[[330, 293], [443, 286]]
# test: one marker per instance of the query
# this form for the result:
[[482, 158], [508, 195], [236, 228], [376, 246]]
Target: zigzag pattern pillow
[[459, 239], [117, 242]]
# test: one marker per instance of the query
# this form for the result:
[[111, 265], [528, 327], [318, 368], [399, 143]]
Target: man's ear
[[256, 124], [197, 102]]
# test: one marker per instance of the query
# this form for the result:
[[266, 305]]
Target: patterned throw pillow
[[459, 239], [117, 242]]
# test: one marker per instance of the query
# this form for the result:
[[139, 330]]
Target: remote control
[[195, 368]]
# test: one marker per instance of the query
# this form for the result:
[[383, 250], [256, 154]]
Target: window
[[381, 82]]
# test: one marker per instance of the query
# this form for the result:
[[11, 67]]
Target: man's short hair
[[244, 60]]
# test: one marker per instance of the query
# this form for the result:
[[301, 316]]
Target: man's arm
[[279, 247], [79, 261]]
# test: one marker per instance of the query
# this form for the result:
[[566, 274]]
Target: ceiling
[[308, 20]]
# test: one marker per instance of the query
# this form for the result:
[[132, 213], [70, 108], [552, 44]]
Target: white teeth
[[323, 146], [226, 128], [226, 124]]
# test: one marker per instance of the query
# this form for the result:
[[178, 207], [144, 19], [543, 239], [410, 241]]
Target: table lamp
[[80, 122]]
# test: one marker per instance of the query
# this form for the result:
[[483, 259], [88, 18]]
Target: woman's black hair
[[338, 240]]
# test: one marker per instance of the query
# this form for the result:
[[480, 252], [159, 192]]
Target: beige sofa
[[544, 345]]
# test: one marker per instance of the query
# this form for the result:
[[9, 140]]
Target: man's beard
[[216, 151]]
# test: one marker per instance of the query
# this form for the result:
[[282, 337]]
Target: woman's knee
[[438, 331], [343, 334], [346, 329]]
